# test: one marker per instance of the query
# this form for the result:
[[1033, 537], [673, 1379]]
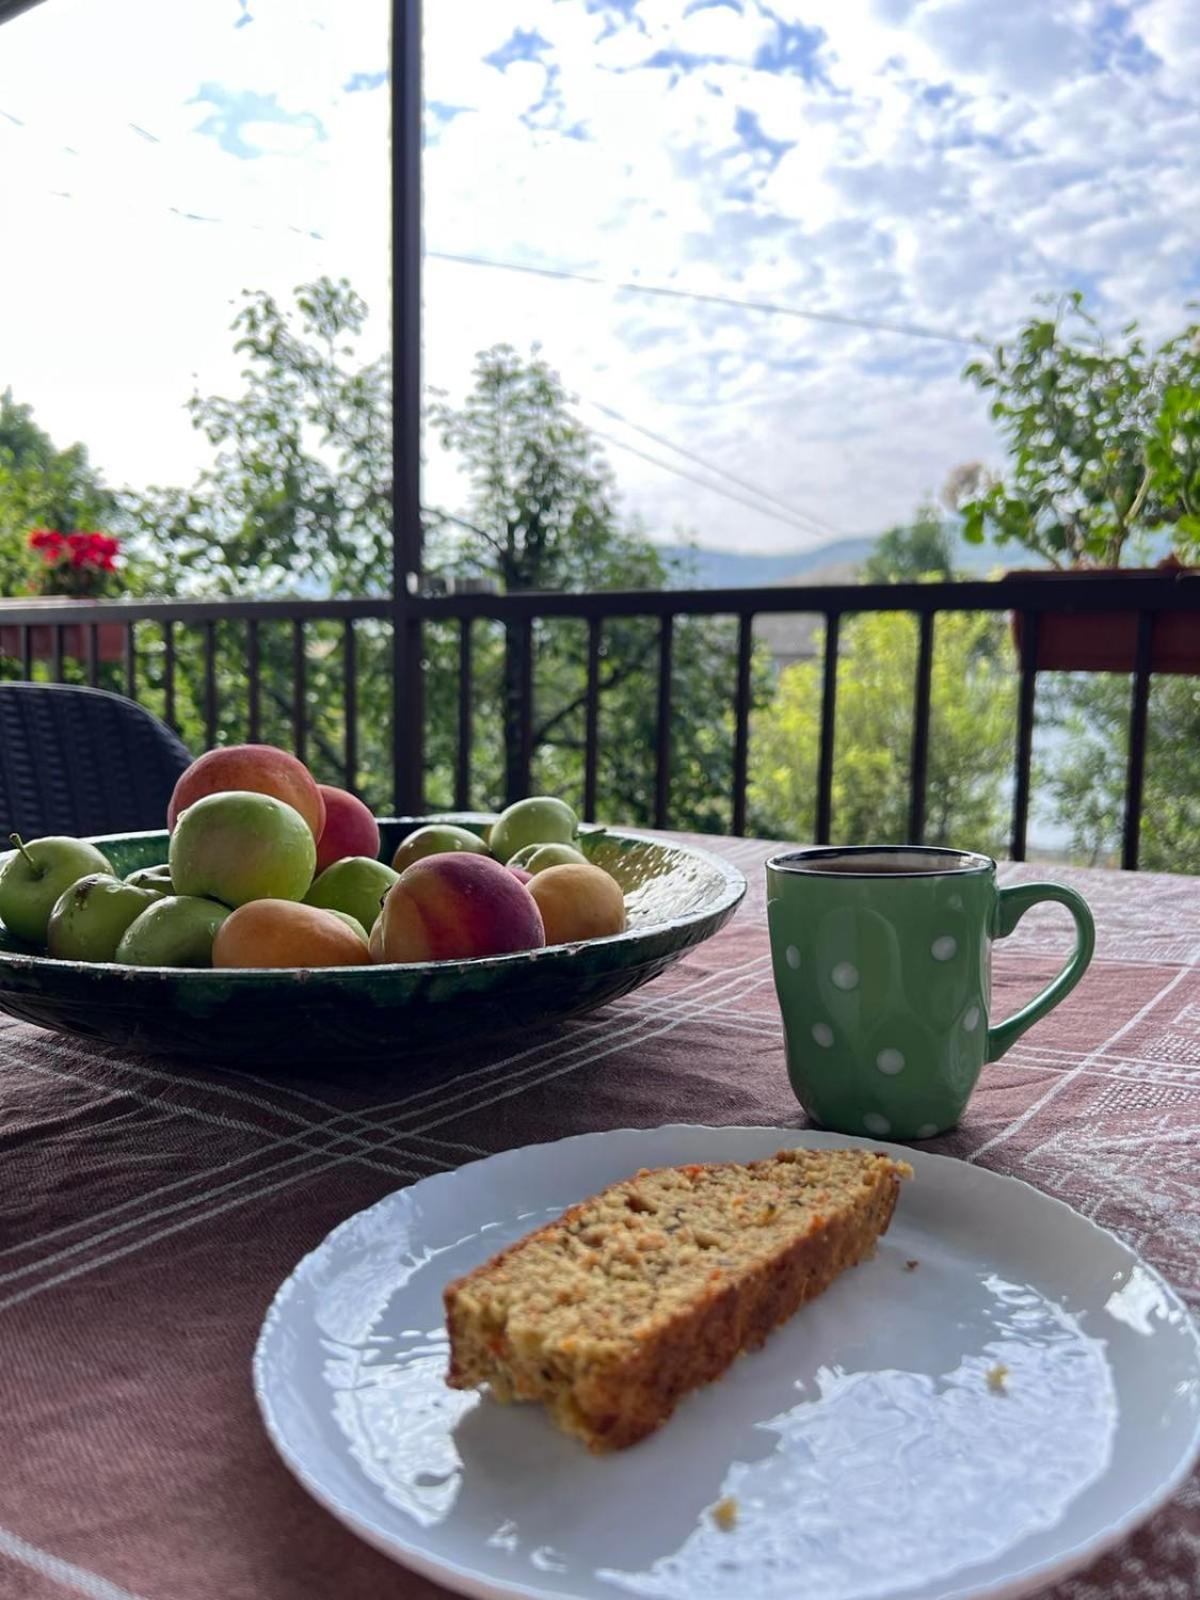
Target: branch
[[619, 675]]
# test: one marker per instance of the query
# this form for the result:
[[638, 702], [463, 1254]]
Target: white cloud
[[934, 164]]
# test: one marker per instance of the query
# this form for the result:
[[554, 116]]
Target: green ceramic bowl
[[676, 897]]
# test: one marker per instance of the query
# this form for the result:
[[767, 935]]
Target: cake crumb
[[725, 1514], [911, 1266], [997, 1378]]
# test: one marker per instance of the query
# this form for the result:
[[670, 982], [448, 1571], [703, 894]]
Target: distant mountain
[[739, 569]]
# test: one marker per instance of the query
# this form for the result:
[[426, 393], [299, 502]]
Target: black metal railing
[[1149, 598]]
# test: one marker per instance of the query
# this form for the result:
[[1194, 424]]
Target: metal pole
[[408, 726]]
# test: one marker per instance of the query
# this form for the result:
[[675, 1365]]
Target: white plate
[[866, 1450]]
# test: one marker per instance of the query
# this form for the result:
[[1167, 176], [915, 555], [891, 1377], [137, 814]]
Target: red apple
[[257, 768], [350, 829]]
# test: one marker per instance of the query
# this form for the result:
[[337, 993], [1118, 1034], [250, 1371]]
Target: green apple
[[435, 839], [539, 820], [351, 922], [156, 878], [34, 876], [236, 846], [536, 858], [175, 932], [355, 885], [89, 918]]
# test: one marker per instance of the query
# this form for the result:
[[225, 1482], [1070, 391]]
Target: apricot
[[260, 768], [350, 829], [578, 902], [455, 907], [284, 933]]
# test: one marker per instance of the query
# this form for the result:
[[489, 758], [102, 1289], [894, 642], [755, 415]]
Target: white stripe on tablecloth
[[332, 1140], [1090, 1060], [136, 1245], [732, 977], [507, 1094], [64, 1573]]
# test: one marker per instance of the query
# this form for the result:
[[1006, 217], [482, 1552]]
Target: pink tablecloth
[[148, 1213]]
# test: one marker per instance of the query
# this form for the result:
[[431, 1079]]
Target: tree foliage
[[41, 486], [922, 548], [1084, 775], [1103, 441], [970, 740]]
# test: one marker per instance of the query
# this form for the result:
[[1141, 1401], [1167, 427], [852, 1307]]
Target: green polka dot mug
[[882, 959]]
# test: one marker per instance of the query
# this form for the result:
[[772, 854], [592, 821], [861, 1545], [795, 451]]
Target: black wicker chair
[[82, 761]]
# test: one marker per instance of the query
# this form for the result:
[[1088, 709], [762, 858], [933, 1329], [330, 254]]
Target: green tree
[[970, 738], [298, 495], [922, 548], [542, 514], [41, 486], [1103, 440], [1085, 778]]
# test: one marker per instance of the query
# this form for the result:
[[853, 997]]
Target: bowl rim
[[726, 900]]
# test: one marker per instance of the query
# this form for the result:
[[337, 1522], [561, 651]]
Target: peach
[[520, 874], [578, 902], [457, 906], [350, 829], [260, 768], [283, 933]]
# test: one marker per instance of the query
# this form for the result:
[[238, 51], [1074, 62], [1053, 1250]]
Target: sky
[[922, 164]]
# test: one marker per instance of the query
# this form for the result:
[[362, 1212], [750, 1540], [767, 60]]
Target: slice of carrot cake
[[609, 1315]]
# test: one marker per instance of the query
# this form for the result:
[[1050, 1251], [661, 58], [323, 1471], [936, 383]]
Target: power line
[[910, 330], [817, 525], [713, 488]]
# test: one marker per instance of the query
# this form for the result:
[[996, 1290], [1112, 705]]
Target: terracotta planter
[[1107, 641], [110, 636]]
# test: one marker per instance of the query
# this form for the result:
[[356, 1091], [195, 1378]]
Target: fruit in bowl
[[36, 874], [578, 903], [177, 931], [281, 933], [536, 858], [89, 919], [435, 839], [457, 907], [258, 768], [540, 819], [350, 829], [355, 885], [237, 846], [252, 833], [157, 879]]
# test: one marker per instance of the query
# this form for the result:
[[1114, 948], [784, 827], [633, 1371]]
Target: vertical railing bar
[[253, 682], [350, 704], [130, 655], [26, 652], [662, 738], [466, 729], [210, 683], [525, 709], [168, 631], [1138, 717], [1025, 717], [92, 654], [299, 691], [591, 732], [58, 653], [824, 819], [741, 720], [919, 765]]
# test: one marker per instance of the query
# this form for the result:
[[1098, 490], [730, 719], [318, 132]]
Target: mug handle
[[1011, 906]]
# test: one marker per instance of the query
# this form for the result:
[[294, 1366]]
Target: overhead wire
[[909, 330]]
